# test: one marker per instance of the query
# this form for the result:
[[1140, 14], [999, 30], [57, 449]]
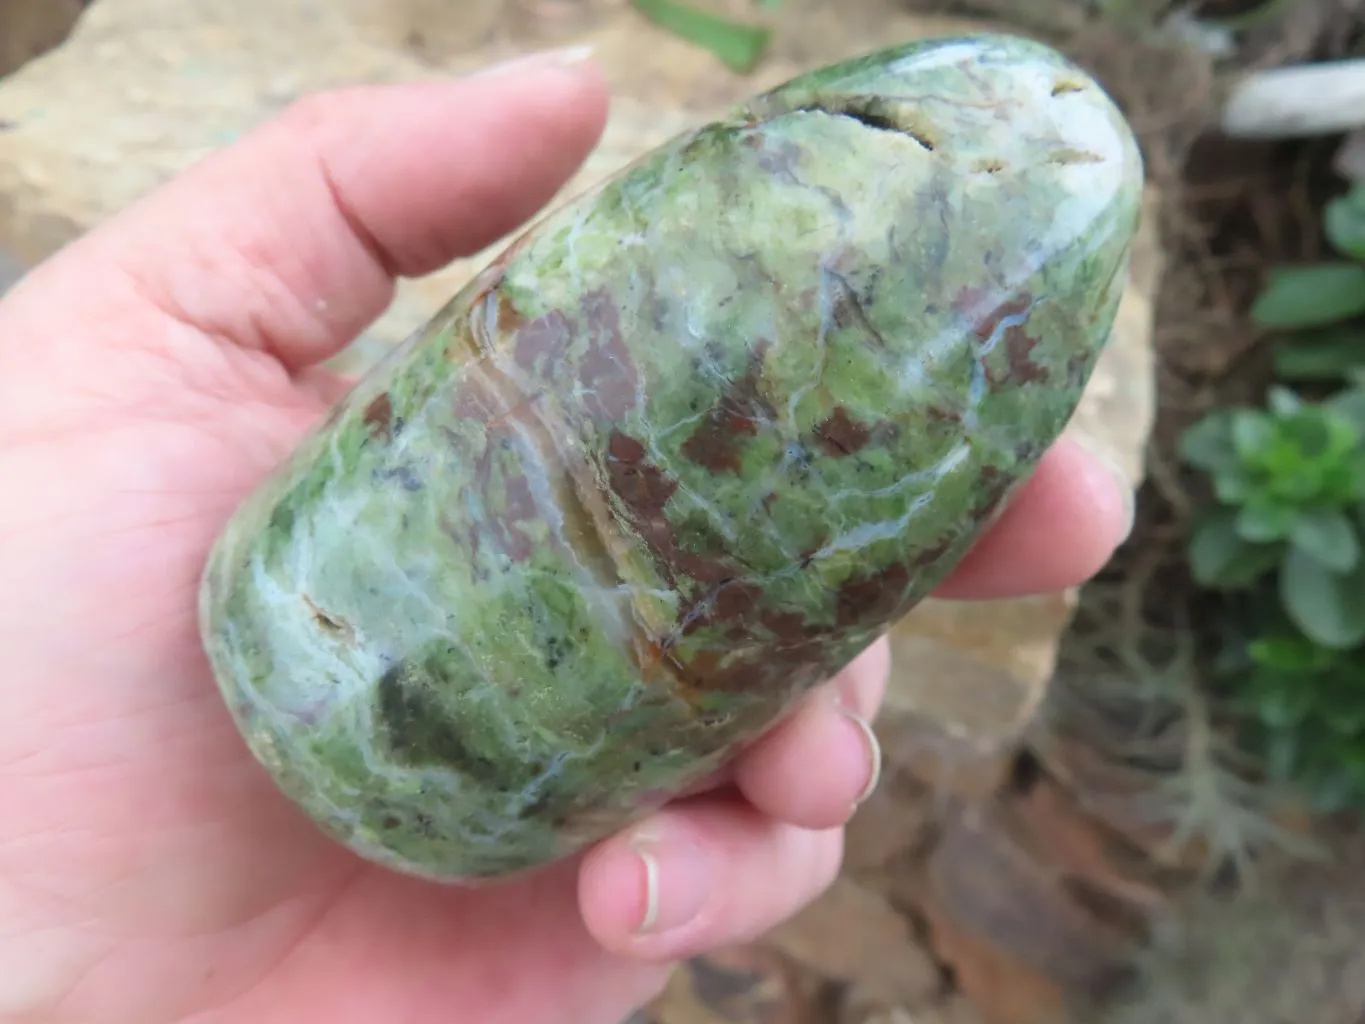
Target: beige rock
[[177, 80], [896, 819], [1000, 990], [858, 1006], [551, 22], [430, 28], [975, 670], [1081, 847], [1021, 936], [955, 1010], [739, 985], [851, 933]]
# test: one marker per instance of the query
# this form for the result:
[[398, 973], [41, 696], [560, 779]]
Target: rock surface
[[756, 440], [182, 79]]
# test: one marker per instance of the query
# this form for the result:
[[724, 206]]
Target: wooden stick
[[1298, 102]]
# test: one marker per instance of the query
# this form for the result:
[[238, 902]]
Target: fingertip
[[700, 874], [611, 892], [1110, 488], [1061, 528], [538, 121], [641, 892], [816, 768]]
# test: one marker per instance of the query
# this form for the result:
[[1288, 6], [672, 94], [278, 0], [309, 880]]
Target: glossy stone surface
[[683, 451]]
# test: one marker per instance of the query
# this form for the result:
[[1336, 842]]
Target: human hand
[[150, 375]]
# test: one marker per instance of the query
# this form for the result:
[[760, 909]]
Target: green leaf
[[1311, 296], [1252, 433], [1349, 407], [1281, 707], [1214, 547], [1343, 220], [1295, 654], [1347, 721], [1282, 755], [739, 46], [1329, 354], [1313, 435], [1262, 521], [1283, 402], [1328, 538], [1220, 558], [1329, 607], [1234, 486], [1207, 444]]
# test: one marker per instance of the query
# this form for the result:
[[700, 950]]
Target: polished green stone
[[677, 456]]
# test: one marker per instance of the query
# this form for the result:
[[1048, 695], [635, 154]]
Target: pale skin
[[150, 374]]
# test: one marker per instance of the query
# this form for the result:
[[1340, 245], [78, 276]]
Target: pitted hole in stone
[[874, 112], [330, 624], [1067, 156], [988, 165]]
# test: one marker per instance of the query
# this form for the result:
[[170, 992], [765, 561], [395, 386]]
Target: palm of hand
[[149, 376], [147, 838], [162, 874]]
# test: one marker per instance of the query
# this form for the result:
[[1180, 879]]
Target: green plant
[[1306, 706], [1285, 532], [739, 46], [1289, 481], [1320, 304]]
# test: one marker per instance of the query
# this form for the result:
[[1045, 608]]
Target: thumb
[[289, 241]]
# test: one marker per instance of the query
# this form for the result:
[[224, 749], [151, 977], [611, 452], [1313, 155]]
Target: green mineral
[[688, 446]]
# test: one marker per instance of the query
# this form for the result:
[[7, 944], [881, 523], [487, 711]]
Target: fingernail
[[1123, 483], [676, 877], [1127, 492], [1128, 495], [562, 58], [873, 749]]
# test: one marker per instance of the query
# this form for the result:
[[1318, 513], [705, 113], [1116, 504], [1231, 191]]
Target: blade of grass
[[739, 46]]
